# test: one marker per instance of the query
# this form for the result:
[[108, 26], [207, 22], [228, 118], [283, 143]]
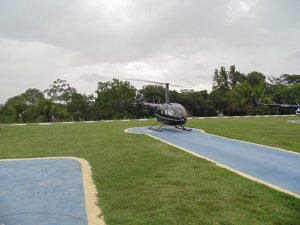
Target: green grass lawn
[[144, 181]]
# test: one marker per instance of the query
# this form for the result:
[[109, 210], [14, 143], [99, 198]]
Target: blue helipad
[[42, 192], [274, 167]]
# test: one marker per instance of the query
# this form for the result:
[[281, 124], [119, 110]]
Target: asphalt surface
[[271, 165], [42, 192]]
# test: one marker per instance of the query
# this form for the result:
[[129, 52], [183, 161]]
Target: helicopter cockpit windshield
[[173, 110]]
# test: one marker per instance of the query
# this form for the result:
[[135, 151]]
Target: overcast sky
[[176, 41]]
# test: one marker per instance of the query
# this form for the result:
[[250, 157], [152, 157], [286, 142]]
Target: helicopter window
[[173, 110], [170, 111], [167, 110], [178, 110]]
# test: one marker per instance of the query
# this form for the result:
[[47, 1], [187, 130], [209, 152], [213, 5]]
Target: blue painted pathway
[[277, 167], [42, 192]]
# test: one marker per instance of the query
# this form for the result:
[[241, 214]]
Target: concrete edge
[[93, 211], [227, 167]]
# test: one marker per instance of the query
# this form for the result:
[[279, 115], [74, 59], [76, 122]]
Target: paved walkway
[[42, 192], [274, 167]]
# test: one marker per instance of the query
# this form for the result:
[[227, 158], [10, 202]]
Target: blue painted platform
[[42, 192], [277, 167]]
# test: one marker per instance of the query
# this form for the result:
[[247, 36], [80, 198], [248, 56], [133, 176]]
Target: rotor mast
[[167, 95]]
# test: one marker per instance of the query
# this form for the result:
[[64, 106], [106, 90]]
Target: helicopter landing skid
[[159, 129], [183, 128]]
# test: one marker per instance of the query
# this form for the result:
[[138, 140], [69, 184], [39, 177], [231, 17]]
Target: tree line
[[231, 95]]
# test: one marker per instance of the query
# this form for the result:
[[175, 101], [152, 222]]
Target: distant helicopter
[[173, 114], [296, 107]]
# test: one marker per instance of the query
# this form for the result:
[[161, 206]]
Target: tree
[[80, 107], [148, 93], [115, 100], [220, 79], [256, 78], [235, 77], [216, 80], [285, 79], [218, 101], [14, 109], [52, 112], [33, 96], [60, 91], [283, 89], [153, 93], [196, 103], [32, 113], [239, 98]]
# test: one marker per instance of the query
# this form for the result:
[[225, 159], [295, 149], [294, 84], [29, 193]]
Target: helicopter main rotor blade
[[155, 82], [148, 81], [175, 85]]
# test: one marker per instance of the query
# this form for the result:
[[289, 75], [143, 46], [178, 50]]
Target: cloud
[[237, 9], [172, 40], [92, 78], [295, 56]]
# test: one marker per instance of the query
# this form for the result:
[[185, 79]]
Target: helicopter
[[296, 107], [173, 114]]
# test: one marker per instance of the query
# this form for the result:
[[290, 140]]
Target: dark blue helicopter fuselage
[[171, 114]]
